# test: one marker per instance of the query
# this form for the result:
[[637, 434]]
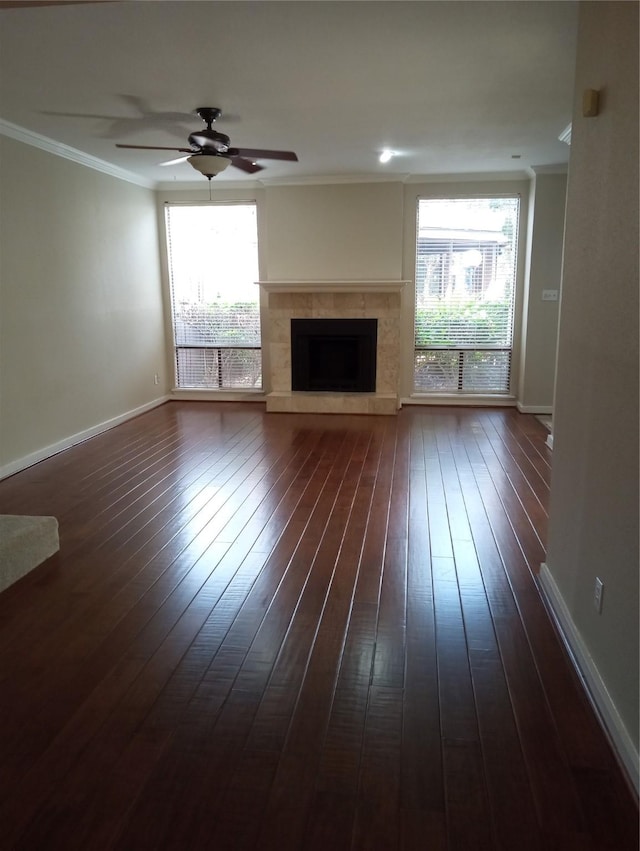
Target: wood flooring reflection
[[297, 632]]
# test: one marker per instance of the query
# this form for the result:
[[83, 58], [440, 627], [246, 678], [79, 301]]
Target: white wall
[[594, 494], [543, 272], [81, 320]]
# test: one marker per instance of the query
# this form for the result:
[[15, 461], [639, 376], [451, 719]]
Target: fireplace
[[378, 302], [336, 355]]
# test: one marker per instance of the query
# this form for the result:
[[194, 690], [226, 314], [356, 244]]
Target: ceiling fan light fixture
[[208, 165]]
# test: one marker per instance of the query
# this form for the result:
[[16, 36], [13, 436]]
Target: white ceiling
[[452, 87]]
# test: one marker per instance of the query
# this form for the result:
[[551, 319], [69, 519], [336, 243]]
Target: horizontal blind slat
[[219, 368]]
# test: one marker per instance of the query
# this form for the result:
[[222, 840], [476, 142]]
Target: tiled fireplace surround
[[288, 300]]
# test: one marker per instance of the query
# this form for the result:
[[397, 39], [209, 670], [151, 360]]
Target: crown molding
[[565, 136], [201, 186], [58, 149], [316, 180], [36, 140], [332, 286], [468, 177], [557, 168], [328, 180]]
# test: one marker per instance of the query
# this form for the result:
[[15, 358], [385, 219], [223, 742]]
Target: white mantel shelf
[[332, 286]]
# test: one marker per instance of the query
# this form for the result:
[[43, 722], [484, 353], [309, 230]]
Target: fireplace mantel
[[350, 299], [364, 286]]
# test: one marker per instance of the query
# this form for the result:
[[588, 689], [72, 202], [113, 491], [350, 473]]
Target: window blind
[[213, 267], [466, 251]]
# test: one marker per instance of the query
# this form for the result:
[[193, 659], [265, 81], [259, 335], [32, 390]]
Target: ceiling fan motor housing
[[209, 139]]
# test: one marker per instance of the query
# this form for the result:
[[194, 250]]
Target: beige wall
[[543, 272], [367, 231], [89, 294], [334, 232], [81, 324], [358, 232], [318, 232], [594, 495]]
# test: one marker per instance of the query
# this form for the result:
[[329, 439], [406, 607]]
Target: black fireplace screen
[[334, 354]]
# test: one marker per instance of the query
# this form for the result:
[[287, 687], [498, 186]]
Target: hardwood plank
[[422, 772], [297, 632], [307, 665], [246, 657], [377, 822], [558, 809], [510, 798], [339, 762]]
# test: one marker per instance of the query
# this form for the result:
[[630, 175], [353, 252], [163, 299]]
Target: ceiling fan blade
[[259, 154], [176, 161], [245, 165], [157, 148]]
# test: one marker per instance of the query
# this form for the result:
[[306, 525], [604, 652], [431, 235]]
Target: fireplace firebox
[[334, 355]]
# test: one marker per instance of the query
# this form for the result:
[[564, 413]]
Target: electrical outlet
[[598, 593], [156, 379]]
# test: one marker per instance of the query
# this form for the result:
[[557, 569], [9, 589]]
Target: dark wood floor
[[297, 632]]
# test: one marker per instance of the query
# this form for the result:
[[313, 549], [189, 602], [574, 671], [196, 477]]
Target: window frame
[[516, 189], [219, 387]]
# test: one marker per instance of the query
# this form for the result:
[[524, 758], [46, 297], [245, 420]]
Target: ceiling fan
[[210, 152]]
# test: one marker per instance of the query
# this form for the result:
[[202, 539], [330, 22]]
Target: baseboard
[[590, 676], [218, 395], [453, 399], [534, 409], [47, 451]]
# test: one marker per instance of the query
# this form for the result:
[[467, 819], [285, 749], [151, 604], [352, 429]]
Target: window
[[213, 267], [465, 292]]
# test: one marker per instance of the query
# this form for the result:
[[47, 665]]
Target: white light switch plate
[[549, 295]]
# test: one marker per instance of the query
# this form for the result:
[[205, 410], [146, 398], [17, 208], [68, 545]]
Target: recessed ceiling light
[[386, 155]]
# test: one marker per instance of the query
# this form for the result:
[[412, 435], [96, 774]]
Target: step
[[25, 542]]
